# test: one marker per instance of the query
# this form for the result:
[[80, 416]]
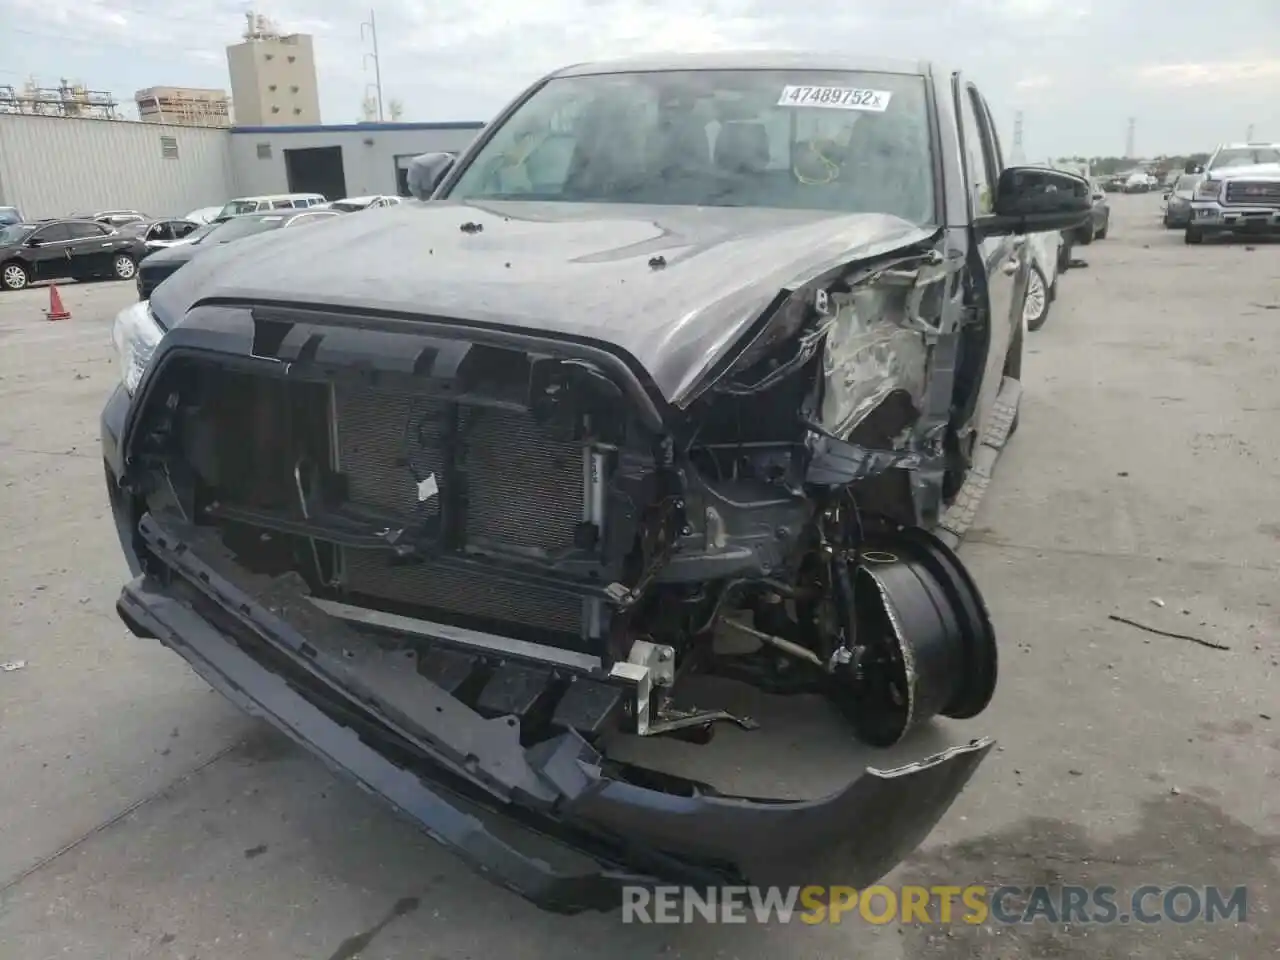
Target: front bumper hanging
[[557, 823]]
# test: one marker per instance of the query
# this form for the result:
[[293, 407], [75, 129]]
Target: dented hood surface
[[673, 287]]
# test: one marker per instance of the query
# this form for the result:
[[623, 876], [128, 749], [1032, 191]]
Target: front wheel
[[1085, 236], [1106, 225], [1035, 306], [123, 267], [14, 276], [1193, 236]]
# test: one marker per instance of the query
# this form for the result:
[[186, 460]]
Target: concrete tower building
[[273, 77]]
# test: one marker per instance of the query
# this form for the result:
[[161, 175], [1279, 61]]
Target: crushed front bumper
[[557, 823]]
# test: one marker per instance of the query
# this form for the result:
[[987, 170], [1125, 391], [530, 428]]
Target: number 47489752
[[835, 98]]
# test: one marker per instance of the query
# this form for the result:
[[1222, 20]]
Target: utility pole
[[372, 24], [1130, 146], [1248, 136]]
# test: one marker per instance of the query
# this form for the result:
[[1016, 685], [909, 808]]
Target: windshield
[[15, 232], [1187, 182], [237, 207], [855, 142], [1246, 156], [348, 206], [241, 227]]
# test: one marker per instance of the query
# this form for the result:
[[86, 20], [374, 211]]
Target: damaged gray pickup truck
[[671, 373]]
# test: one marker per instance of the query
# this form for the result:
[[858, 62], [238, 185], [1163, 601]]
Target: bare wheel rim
[[1033, 306], [13, 277], [124, 268]]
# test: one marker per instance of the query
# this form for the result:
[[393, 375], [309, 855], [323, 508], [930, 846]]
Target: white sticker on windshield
[[835, 98]]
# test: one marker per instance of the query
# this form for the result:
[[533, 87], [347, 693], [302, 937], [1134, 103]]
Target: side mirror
[[1193, 168], [1037, 200], [35, 242], [427, 171]]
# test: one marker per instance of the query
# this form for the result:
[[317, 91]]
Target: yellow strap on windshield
[[832, 168]]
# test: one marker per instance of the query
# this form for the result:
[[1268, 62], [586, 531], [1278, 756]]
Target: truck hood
[[1254, 171], [673, 288]]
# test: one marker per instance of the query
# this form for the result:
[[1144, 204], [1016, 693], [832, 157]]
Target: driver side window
[[54, 233]]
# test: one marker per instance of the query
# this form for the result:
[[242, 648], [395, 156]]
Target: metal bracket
[[649, 666]]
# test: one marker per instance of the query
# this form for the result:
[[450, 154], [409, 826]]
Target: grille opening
[[476, 480]]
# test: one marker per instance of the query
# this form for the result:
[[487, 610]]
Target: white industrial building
[[55, 166], [352, 160]]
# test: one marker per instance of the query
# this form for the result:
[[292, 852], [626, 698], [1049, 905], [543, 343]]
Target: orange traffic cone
[[56, 310]]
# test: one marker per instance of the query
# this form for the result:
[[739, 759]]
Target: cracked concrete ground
[[144, 817]]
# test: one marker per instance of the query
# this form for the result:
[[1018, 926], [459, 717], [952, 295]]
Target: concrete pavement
[[144, 817]]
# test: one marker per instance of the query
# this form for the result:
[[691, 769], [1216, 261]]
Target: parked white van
[[275, 201]]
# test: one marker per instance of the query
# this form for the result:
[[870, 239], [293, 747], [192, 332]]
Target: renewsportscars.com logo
[[1146, 904]]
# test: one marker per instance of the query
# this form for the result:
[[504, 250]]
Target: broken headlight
[[136, 333]]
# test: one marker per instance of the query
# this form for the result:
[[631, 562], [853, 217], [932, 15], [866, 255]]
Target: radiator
[[525, 491]]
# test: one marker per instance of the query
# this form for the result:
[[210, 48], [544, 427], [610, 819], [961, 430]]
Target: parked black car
[[1099, 222], [162, 262], [455, 494], [61, 250], [113, 218]]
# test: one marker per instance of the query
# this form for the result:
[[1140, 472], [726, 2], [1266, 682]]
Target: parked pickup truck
[[1235, 200], [672, 372]]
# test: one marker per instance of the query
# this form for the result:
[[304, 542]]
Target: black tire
[[123, 267], [1106, 225], [14, 276], [1193, 235], [1086, 234], [1037, 322]]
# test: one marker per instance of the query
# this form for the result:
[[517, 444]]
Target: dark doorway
[[316, 170]]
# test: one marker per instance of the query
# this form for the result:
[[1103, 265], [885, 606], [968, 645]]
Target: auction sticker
[[835, 98]]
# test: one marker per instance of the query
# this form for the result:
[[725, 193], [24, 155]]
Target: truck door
[[1005, 260]]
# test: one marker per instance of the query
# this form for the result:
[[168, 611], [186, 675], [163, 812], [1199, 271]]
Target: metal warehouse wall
[[54, 166], [369, 152]]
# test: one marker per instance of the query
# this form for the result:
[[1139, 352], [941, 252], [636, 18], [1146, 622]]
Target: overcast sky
[[1191, 74]]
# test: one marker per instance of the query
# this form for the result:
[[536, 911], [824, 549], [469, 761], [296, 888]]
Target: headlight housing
[[136, 334], [1208, 189]]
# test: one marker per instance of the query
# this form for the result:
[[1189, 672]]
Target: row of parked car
[[113, 244]]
